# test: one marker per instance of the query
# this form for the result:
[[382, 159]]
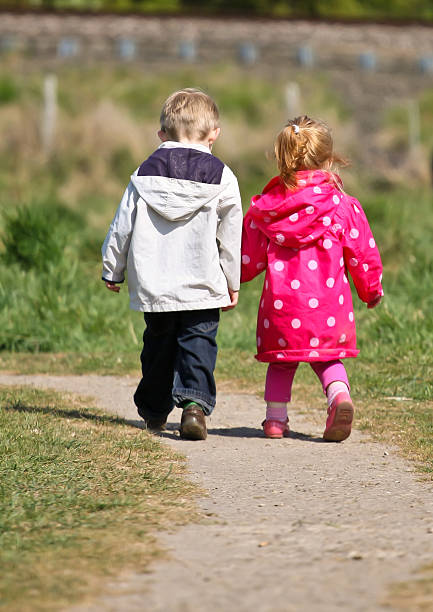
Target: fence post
[[49, 113], [414, 123], [293, 97]]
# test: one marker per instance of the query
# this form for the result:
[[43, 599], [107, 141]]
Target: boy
[[178, 232]]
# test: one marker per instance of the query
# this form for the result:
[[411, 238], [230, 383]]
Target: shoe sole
[[193, 432], [155, 428], [277, 436], [342, 425]]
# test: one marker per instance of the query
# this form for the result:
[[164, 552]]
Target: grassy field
[[78, 485], [59, 455]]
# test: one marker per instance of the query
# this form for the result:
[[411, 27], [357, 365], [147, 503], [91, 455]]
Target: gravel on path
[[289, 525]]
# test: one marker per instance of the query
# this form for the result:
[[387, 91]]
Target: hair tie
[[295, 128]]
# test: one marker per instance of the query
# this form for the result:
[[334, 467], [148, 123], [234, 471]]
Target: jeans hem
[[152, 415], [205, 401]]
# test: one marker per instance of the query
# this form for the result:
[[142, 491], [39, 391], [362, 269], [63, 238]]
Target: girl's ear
[[162, 136]]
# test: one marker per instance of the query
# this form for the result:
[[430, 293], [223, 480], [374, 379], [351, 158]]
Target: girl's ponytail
[[304, 144]]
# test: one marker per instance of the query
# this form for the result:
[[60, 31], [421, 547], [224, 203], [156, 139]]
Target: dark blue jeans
[[177, 361]]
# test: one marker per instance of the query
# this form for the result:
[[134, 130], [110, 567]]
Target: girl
[[307, 233]]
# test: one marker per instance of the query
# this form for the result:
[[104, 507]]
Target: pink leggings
[[279, 378]]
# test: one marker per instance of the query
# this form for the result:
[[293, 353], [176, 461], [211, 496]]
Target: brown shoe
[[155, 425], [193, 423]]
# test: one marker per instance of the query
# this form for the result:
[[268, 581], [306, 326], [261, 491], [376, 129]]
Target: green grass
[[81, 496]]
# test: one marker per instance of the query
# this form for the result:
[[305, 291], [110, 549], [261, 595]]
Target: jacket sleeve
[[361, 255], [254, 249], [116, 244], [229, 230]]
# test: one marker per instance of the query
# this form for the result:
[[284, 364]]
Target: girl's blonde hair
[[304, 144], [190, 113]]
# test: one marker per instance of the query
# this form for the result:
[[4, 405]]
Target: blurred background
[[81, 88]]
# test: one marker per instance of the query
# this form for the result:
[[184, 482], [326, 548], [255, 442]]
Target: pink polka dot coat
[[307, 240]]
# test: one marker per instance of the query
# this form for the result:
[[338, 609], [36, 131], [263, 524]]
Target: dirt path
[[294, 524]]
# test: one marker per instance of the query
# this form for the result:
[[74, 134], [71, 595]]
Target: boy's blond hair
[[304, 144], [189, 113]]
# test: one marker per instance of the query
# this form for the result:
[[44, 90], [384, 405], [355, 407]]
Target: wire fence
[[149, 41]]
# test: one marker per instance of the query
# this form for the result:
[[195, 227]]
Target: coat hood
[[296, 218], [175, 199]]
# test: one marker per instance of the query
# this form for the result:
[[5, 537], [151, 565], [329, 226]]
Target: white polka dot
[[351, 316], [345, 278], [326, 221], [245, 259], [314, 342], [380, 277], [331, 322], [311, 237], [342, 354], [294, 217], [280, 356], [280, 238], [301, 182], [267, 219], [282, 342], [341, 261], [278, 304], [354, 233], [266, 323], [278, 265], [309, 210], [341, 299], [266, 285], [296, 323], [372, 243], [353, 262], [272, 213], [253, 225], [336, 199], [342, 338], [356, 209], [312, 264], [365, 266], [313, 303], [295, 284], [313, 354], [327, 243], [317, 189], [330, 282], [262, 303], [259, 341]]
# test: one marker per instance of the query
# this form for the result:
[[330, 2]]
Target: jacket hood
[[295, 218], [175, 199]]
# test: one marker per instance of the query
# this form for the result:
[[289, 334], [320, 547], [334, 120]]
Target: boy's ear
[[213, 135], [162, 136]]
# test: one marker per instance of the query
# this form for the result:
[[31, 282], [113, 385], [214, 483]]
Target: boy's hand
[[112, 286], [374, 302], [234, 295]]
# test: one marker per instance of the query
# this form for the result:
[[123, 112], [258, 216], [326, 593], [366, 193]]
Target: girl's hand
[[234, 296], [112, 286], [374, 302]]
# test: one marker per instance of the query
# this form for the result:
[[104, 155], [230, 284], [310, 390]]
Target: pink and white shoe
[[340, 417], [276, 429]]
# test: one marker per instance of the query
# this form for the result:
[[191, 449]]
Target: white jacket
[[179, 239]]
